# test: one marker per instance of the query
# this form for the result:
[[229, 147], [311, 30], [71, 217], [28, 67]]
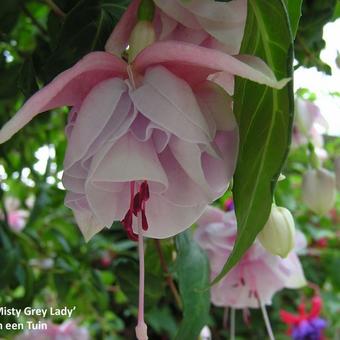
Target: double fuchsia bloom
[[157, 120], [258, 275]]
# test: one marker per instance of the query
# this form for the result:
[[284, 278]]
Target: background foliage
[[49, 264]]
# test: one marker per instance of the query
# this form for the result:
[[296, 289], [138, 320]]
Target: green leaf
[[265, 118], [192, 267], [294, 12], [127, 272], [27, 78], [85, 29]]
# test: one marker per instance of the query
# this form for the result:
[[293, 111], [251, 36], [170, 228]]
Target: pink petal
[[119, 38], [224, 21], [194, 63], [182, 189], [218, 171], [101, 115], [216, 105], [169, 102], [189, 156], [176, 11], [296, 277], [88, 223], [167, 219], [211, 215], [127, 160], [67, 89]]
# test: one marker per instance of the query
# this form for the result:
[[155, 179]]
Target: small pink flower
[[69, 330], [259, 274], [16, 217]]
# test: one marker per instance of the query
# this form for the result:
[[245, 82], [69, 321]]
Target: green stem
[[146, 10]]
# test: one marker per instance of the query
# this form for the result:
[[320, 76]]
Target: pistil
[[141, 328]]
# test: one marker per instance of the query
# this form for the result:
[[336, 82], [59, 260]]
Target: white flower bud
[[278, 234], [141, 37], [205, 333], [337, 172], [318, 190]]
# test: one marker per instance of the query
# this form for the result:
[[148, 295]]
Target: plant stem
[[168, 276], [35, 22], [55, 8]]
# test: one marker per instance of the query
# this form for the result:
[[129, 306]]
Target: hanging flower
[[319, 190], [258, 275], [307, 126], [305, 325], [16, 217], [217, 25], [157, 121], [69, 330]]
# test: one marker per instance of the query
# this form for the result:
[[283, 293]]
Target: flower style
[[305, 325], [259, 274], [16, 217], [157, 120], [69, 330]]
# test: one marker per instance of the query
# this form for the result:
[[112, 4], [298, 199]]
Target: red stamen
[[137, 204], [145, 225]]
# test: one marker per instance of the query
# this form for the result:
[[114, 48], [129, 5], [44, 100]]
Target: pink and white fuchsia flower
[[259, 274], [257, 277], [152, 141], [157, 120]]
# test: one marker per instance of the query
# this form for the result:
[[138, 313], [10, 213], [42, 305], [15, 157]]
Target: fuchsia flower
[[157, 120], [305, 325], [258, 275], [69, 330], [307, 125], [153, 141], [16, 217], [206, 23]]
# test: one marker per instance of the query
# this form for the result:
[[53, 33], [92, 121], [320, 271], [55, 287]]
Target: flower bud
[[318, 190], [205, 333], [141, 37], [337, 172], [278, 234]]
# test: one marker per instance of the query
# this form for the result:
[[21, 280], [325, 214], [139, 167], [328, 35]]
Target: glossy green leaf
[[265, 119], [192, 267], [85, 29], [294, 13]]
